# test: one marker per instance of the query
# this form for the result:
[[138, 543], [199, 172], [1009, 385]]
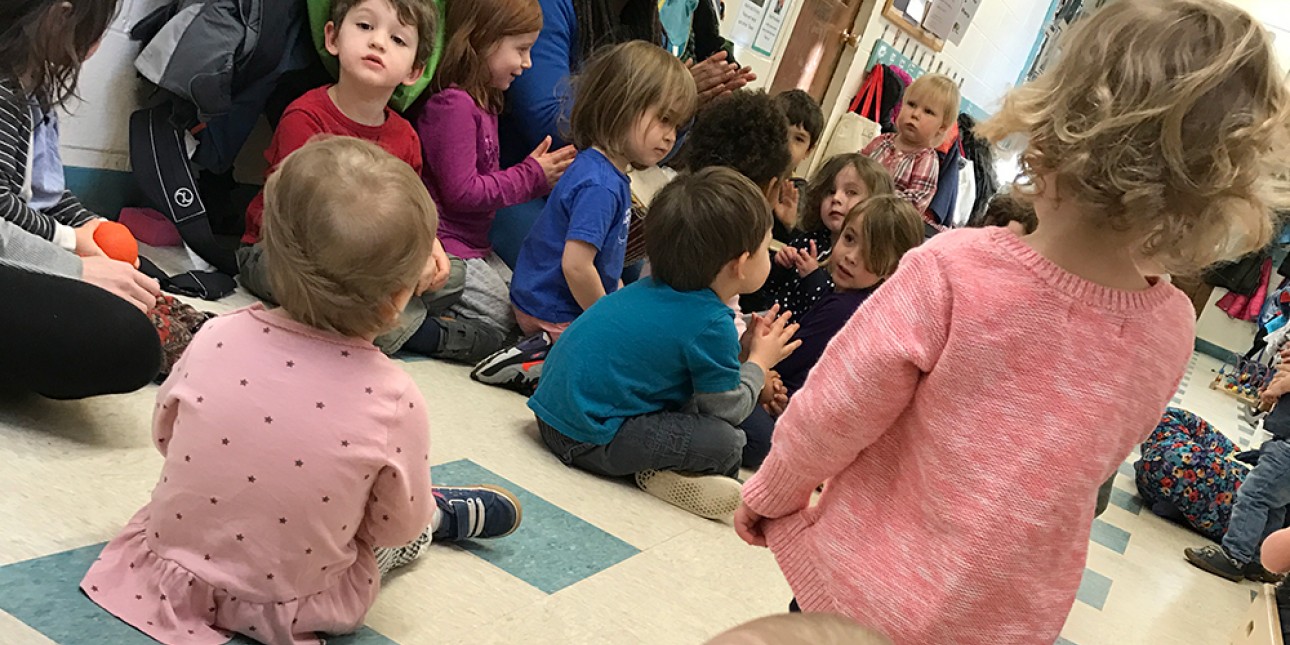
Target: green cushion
[[320, 13]]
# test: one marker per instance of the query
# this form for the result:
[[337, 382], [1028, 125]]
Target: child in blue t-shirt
[[628, 103], [653, 381]]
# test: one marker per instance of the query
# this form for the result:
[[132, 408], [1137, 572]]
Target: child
[[875, 235], [797, 281], [930, 107], [805, 124], [1012, 212], [749, 132], [296, 454], [488, 48], [380, 44], [1154, 139], [1262, 500], [629, 101], [39, 73], [649, 383]]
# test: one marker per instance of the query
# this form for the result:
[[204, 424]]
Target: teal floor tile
[[1094, 589], [1110, 536], [1126, 469], [1126, 501], [1063, 641], [44, 594], [552, 549]]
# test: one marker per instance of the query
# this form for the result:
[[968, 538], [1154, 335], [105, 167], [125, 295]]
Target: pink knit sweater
[[963, 420]]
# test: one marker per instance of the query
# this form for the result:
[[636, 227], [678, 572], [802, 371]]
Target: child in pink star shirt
[[297, 457]]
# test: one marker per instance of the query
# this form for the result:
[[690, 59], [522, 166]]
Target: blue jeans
[[1261, 502]]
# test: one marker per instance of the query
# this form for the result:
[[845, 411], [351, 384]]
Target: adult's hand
[[715, 77], [121, 279]]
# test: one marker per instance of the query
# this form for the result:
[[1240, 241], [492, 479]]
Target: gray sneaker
[[1215, 559], [467, 341]]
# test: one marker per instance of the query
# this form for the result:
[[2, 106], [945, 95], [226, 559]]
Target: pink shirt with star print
[[289, 454]]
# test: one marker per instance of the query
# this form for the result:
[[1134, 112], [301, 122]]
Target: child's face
[[920, 124], [848, 267], [848, 192], [375, 49], [799, 144], [651, 139], [508, 59]]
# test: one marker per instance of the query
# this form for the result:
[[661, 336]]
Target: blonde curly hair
[[346, 227], [1170, 120]]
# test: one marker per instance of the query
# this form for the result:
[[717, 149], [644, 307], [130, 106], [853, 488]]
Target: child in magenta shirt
[[960, 446], [487, 50]]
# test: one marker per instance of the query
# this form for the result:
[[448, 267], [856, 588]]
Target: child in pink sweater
[[297, 456], [964, 418]]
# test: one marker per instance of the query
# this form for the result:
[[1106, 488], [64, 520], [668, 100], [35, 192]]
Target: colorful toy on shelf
[[1243, 379], [117, 242]]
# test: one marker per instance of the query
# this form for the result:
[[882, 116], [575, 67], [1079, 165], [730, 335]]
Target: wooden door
[[815, 46]]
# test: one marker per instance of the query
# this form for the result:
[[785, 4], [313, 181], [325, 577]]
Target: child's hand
[[785, 207], [553, 163], [774, 395], [85, 244], [435, 274], [748, 525], [773, 341], [787, 257], [808, 261]]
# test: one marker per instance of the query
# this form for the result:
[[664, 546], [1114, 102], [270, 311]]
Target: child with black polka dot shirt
[[297, 457]]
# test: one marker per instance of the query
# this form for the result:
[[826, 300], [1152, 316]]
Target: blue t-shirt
[[591, 203], [647, 348]]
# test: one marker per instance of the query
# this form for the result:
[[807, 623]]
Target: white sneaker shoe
[[712, 496]]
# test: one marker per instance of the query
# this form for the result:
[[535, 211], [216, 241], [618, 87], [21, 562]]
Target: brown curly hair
[[1168, 119]]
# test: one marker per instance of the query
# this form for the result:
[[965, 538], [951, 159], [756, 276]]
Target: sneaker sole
[[519, 508], [1204, 565], [711, 496]]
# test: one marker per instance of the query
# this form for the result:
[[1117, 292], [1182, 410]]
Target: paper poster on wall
[[771, 24], [748, 22], [941, 18], [967, 11]]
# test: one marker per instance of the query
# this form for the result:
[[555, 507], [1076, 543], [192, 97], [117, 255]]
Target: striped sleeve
[[15, 144]]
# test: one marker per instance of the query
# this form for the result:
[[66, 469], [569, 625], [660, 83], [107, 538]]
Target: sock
[[427, 340]]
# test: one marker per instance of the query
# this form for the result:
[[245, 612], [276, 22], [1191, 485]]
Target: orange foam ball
[[117, 242]]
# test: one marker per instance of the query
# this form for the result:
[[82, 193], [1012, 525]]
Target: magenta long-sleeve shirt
[[461, 170]]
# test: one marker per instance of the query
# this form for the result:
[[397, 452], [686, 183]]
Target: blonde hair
[[346, 227], [620, 84], [888, 228], [801, 629], [872, 174], [939, 91], [1167, 118]]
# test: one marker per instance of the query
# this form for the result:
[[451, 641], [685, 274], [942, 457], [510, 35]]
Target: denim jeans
[[689, 443], [1261, 502]]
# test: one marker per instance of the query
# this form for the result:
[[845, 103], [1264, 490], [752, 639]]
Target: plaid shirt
[[915, 173]]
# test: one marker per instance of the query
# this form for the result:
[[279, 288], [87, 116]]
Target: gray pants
[[253, 274], [1104, 496], [486, 296], [689, 443]]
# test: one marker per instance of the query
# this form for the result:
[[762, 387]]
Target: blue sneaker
[[476, 512], [517, 367]]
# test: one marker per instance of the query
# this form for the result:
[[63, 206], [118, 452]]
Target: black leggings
[[67, 339]]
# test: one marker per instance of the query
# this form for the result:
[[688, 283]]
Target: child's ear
[[739, 265], [415, 75], [329, 38]]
